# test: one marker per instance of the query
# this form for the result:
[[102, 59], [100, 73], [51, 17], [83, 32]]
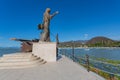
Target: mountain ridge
[[98, 41]]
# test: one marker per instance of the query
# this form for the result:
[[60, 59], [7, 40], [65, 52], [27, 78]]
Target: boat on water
[[87, 49]]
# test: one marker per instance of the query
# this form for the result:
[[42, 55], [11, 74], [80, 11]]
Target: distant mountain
[[100, 40], [76, 41], [70, 43], [94, 42], [82, 41]]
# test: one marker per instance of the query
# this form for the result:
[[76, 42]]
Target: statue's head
[[48, 10]]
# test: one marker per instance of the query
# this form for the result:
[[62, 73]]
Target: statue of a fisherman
[[45, 36]]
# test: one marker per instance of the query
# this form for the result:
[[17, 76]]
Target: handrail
[[87, 61]]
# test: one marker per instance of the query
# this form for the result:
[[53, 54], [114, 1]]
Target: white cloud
[[85, 36]]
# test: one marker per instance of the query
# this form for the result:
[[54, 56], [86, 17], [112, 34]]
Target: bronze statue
[[45, 36]]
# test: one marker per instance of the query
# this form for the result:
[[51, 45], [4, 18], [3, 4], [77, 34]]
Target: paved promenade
[[63, 69]]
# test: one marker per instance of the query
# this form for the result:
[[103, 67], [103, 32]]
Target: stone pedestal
[[45, 50]]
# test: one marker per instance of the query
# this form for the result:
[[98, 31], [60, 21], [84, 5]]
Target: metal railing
[[87, 61]]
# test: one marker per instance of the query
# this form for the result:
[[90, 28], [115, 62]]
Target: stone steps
[[14, 59], [21, 66], [20, 60], [18, 55]]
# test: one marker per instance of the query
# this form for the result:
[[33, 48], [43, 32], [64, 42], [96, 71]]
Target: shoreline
[[91, 47]]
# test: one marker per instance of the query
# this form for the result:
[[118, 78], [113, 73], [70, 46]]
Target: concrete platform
[[63, 69]]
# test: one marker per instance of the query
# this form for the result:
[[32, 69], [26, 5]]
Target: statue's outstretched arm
[[51, 16]]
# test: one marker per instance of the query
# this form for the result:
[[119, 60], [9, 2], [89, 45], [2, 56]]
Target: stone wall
[[45, 50]]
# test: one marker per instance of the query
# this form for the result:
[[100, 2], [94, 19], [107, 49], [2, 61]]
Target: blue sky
[[77, 20]]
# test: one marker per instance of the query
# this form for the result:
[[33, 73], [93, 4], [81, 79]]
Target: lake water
[[109, 53], [8, 51]]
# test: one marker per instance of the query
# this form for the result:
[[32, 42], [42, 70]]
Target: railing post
[[73, 50], [57, 42], [87, 63], [112, 77], [64, 52]]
